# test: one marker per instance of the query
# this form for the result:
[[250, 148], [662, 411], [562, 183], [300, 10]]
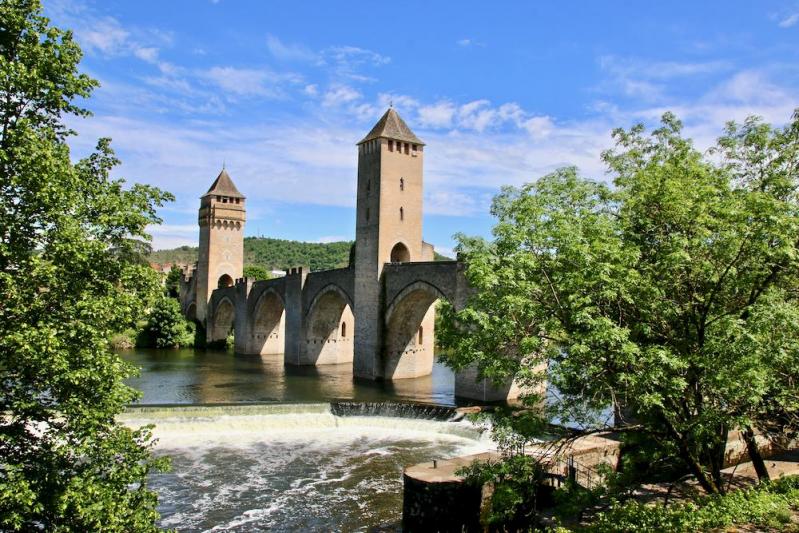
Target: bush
[[167, 327], [768, 505], [123, 341]]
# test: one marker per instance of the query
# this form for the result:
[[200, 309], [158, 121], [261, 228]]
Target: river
[[257, 446]]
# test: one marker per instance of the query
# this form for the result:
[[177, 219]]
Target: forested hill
[[275, 254]]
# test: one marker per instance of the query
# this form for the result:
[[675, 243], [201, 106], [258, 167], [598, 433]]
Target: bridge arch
[[268, 324], [222, 319], [327, 328], [409, 331]]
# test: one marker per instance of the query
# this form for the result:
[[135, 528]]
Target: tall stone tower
[[221, 257], [388, 226]]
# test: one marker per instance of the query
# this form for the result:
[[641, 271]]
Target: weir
[[229, 423]]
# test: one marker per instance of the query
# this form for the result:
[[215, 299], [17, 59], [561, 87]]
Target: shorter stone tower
[[221, 257]]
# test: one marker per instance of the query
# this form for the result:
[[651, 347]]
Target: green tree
[[167, 327], [664, 296], [172, 281], [257, 272], [68, 279]]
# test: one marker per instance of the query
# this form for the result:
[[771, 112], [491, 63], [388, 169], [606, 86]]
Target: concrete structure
[[378, 314]]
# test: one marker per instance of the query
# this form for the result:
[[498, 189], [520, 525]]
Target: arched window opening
[[400, 253], [368, 185], [421, 336], [343, 329], [402, 184], [402, 214], [224, 281]]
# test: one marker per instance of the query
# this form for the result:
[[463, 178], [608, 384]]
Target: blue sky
[[502, 93]]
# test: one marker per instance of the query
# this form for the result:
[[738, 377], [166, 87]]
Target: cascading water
[[295, 467]]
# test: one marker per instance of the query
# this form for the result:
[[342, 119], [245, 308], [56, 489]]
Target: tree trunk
[[754, 454], [707, 482], [717, 453]]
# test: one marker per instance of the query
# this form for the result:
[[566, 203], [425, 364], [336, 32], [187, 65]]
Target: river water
[[257, 446]]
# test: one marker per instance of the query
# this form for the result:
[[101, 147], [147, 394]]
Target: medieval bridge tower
[[221, 255], [377, 314]]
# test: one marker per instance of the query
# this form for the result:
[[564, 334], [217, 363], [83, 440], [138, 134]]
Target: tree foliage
[[69, 236], [167, 327], [257, 272], [276, 254], [670, 295]]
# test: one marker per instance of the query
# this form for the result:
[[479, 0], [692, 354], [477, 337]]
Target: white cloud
[[438, 115], [647, 80], [659, 70], [465, 43], [289, 52], [789, 21], [353, 55], [105, 36], [340, 95], [149, 54], [249, 81]]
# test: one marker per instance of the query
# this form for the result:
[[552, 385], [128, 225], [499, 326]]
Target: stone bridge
[[377, 315], [308, 316]]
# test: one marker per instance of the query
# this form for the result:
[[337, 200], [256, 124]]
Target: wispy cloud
[[788, 21], [250, 81], [467, 42], [648, 80], [289, 52]]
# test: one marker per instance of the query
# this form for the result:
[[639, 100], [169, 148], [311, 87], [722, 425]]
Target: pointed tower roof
[[391, 126], [223, 186]]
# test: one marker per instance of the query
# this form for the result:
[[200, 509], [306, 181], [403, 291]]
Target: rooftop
[[224, 186], [391, 126]]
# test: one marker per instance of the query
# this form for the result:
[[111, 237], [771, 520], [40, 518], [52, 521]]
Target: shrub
[[768, 505], [167, 327]]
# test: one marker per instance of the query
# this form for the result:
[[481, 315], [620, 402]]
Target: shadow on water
[[216, 376]]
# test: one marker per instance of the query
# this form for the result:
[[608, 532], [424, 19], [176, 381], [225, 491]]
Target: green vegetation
[[166, 326], [770, 505], [276, 254], [670, 296], [257, 272], [70, 276]]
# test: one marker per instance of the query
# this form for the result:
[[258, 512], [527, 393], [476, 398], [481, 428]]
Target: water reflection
[[189, 376]]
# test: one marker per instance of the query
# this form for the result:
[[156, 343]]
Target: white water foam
[[291, 467]]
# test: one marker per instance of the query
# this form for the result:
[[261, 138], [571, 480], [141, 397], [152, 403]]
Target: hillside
[[275, 254]]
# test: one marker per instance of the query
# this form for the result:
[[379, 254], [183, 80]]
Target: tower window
[[343, 329], [390, 146], [402, 184], [421, 335], [367, 214], [402, 214], [368, 185], [406, 149]]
